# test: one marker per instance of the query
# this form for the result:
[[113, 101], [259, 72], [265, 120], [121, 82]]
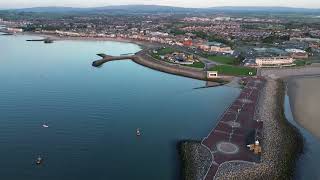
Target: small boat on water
[[45, 126], [138, 132], [39, 160]]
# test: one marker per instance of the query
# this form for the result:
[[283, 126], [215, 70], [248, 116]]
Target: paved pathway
[[236, 128]]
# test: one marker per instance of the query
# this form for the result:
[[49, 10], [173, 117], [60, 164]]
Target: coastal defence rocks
[[282, 142], [195, 160]]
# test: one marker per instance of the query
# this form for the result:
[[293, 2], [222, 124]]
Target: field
[[224, 60], [165, 51], [300, 62], [196, 65], [234, 70]]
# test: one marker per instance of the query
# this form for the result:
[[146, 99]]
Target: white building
[[295, 51], [274, 61], [14, 30], [221, 49], [212, 74], [67, 33]]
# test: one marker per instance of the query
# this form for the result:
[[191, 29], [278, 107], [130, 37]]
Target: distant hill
[[51, 9], [265, 9], [120, 8], [165, 9]]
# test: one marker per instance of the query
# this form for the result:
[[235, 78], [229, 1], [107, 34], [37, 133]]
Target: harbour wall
[[146, 60]]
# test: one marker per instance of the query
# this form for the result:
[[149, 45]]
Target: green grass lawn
[[300, 62], [234, 70], [156, 56], [164, 51], [224, 59], [196, 65]]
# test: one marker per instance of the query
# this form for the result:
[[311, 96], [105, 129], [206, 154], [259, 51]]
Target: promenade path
[[236, 128]]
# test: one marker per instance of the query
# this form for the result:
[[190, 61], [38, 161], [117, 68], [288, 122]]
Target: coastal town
[[259, 55], [227, 40]]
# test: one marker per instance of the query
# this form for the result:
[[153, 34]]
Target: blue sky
[[183, 3]]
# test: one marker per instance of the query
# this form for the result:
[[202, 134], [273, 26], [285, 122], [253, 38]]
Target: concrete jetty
[[108, 58], [45, 40], [236, 129]]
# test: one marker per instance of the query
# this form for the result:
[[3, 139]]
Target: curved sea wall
[[282, 142], [146, 60]]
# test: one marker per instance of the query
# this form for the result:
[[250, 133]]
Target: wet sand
[[304, 95]]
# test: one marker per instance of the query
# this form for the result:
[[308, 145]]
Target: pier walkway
[[236, 129]]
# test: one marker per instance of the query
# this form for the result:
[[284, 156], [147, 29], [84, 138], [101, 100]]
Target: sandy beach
[[304, 100]]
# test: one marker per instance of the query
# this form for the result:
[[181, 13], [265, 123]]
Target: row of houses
[[215, 47], [158, 37]]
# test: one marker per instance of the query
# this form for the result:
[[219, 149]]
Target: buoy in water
[[39, 160], [138, 132]]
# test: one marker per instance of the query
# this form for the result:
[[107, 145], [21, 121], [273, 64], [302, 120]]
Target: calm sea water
[[93, 113]]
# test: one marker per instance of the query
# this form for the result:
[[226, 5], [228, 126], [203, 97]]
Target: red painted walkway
[[236, 128]]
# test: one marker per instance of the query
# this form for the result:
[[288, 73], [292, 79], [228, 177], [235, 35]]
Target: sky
[[4, 4]]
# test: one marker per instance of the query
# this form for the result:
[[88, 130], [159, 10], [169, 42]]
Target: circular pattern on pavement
[[227, 148]]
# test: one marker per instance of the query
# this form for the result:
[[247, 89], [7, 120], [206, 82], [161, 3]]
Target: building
[[212, 74], [180, 58], [215, 47], [221, 49], [14, 30], [274, 61], [66, 33], [188, 43], [297, 53], [314, 45]]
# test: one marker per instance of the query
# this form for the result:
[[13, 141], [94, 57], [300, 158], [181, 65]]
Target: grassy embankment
[[302, 62], [234, 70], [230, 66], [224, 59]]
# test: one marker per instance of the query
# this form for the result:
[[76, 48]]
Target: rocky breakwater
[[195, 160], [281, 145], [107, 58]]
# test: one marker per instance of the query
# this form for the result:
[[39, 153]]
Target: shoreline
[[303, 99], [141, 44], [143, 59]]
